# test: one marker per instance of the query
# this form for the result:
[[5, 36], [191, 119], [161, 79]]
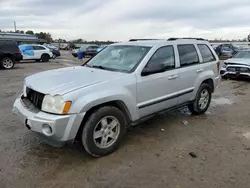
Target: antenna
[[15, 25]]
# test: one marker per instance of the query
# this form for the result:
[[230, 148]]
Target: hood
[[242, 61], [65, 80]]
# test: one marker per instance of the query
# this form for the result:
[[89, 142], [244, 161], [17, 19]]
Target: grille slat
[[238, 69], [35, 97]]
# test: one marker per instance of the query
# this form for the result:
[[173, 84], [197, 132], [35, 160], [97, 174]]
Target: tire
[[196, 107], [7, 63], [45, 58], [99, 123], [54, 56]]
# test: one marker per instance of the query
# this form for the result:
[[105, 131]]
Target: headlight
[[55, 104]]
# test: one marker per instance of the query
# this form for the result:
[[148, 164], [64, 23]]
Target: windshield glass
[[119, 58], [242, 55]]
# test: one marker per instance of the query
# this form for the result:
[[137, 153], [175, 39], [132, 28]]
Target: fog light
[[47, 130]]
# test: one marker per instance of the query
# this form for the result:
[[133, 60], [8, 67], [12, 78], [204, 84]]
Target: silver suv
[[123, 85]]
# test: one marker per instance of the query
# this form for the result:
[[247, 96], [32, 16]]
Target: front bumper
[[224, 73], [74, 54], [64, 127]]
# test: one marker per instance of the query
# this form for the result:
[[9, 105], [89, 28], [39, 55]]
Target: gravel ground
[[174, 150]]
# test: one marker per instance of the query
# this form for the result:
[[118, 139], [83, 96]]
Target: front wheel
[[103, 131], [202, 100], [7, 63], [45, 58]]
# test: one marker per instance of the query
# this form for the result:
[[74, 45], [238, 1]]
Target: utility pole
[[15, 25]]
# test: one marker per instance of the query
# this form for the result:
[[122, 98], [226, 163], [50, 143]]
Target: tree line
[[48, 38]]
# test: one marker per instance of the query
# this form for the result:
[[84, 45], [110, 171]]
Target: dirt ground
[[154, 154]]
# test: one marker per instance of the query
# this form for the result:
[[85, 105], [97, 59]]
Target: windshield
[[119, 58], [242, 55]]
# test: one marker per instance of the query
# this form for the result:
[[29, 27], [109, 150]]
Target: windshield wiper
[[98, 66], [102, 67], [86, 65]]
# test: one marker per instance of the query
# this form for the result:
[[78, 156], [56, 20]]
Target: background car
[[9, 54], [238, 66], [54, 50], [87, 51], [36, 52], [227, 50], [74, 51]]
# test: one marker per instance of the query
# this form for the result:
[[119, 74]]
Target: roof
[[151, 43], [16, 34], [31, 45]]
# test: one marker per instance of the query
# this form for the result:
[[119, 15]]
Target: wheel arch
[[45, 54], [210, 82], [8, 55], [115, 103]]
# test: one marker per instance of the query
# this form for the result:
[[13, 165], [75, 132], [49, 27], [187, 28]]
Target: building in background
[[20, 38]]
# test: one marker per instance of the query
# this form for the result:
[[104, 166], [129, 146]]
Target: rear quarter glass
[[9, 47]]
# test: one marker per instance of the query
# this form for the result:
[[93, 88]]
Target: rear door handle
[[173, 77], [199, 70]]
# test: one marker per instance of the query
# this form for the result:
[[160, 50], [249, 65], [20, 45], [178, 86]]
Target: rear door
[[189, 70], [209, 61], [38, 51], [27, 52]]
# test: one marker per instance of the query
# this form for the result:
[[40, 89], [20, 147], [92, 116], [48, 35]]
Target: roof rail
[[131, 40], [171, 39]]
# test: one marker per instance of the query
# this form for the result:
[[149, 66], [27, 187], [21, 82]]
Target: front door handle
[[173, 77], [199, 70]]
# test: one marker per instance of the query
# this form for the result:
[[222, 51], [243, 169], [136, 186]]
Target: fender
[[209, 74], [93, 99]]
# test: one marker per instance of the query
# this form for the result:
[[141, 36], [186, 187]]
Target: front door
[[158, 91], [38, 51]]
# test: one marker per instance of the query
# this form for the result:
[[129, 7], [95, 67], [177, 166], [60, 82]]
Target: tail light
[[19, 51], [218, 66]]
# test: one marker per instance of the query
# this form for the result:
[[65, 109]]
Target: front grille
[[238, 69], [35, 97]]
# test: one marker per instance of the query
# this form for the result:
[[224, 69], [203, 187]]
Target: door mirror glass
[[153, 68]]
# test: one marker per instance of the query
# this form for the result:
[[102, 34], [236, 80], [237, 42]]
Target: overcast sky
[[123, 19]]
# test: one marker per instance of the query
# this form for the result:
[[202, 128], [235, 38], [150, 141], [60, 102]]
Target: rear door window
[[188, 55], [28, 48], [38, 48], [206, 53]]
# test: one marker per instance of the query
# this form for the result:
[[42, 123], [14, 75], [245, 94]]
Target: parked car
[[227, 50], [238, 66], [9, 54], [74, 51], [36, 52], [55, 51], [123, 85], [88, 50]]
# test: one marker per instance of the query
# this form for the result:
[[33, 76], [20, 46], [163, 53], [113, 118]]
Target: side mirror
[[153, 68]]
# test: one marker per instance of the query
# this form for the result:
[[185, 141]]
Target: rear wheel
[[45, 58], [202, 100], [103, 131], [7, 63]]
